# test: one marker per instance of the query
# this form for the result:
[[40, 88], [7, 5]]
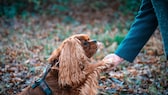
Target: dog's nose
[[94, 41]]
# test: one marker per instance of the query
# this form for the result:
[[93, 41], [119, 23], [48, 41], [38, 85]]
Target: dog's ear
[[71, 63]]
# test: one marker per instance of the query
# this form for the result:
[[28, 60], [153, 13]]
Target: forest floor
[[25, 44]]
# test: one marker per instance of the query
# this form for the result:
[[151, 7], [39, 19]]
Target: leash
[[41, 81]]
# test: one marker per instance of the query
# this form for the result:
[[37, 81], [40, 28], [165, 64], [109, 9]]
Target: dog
[[72, 72]]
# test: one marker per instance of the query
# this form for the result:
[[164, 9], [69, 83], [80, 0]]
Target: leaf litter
[[25, 48]]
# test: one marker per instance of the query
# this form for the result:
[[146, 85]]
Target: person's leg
[[161, 11]]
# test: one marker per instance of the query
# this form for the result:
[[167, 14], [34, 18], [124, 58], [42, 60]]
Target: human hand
[[113, 60]]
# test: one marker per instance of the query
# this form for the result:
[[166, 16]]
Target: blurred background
[[31, 29]]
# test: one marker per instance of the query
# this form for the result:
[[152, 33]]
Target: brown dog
[[72, 73]]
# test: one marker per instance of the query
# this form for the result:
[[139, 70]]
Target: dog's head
[[73, 55], [89, 46]]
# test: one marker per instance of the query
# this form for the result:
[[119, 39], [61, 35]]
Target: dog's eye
[[85, 43]]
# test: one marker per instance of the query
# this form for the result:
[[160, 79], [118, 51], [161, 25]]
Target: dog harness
[[43, 85], [41, 81]]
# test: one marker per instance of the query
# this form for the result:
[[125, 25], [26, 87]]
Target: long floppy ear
[[71, 64]]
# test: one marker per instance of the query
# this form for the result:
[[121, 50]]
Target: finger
[[109, 60]]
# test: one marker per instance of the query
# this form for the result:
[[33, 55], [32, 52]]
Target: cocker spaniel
[[72, 72]]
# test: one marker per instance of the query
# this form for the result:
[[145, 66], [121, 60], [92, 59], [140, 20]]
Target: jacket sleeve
[[141, 30]]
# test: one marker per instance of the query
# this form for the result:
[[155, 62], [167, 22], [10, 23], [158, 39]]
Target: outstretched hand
[[113, 60]]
